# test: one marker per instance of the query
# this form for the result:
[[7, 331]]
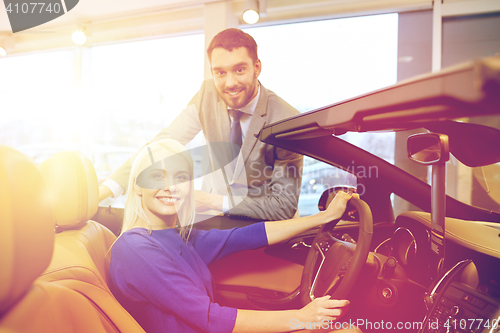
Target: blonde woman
[[158, 267]]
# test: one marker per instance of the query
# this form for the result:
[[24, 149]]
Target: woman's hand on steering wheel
[[337, 206], [321, 309]]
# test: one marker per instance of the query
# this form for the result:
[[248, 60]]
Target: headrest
[[26, 225], [72, 181]]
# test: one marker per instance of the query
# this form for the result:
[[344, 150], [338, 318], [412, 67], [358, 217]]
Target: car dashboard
[[463, 292], [460, 288]]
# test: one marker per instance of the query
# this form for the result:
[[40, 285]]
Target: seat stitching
[[100, 310], [66, 267]]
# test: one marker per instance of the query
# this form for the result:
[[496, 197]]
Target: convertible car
[[408, 257]]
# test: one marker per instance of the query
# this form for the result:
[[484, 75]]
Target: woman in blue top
[[158, 269]]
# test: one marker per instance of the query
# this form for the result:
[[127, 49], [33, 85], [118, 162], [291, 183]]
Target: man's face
[[235, 76]]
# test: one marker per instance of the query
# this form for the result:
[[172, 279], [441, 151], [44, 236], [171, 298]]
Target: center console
[[455, 305]]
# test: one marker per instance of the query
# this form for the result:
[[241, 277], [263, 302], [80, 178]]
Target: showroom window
[[139, 87], [314, 64], [36, 95], [108, 100], [105, 101]]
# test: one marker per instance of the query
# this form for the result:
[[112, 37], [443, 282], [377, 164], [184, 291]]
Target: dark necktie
[[235, 135]]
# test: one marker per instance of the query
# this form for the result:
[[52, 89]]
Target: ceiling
[[110, 21], [90, 10]]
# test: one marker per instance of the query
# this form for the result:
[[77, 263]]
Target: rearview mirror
[[428, 148], [432, 149]]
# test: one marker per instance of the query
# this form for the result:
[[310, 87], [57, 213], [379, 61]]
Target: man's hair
[[232, 38]]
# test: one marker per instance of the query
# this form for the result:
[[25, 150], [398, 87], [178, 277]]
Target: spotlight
[[79, 37], [253, 10], [6, 45]]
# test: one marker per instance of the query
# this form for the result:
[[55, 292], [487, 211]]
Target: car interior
[[56, 257], [452, 282], [401, 269]]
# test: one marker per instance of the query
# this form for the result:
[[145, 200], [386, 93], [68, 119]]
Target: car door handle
[[300, 245]]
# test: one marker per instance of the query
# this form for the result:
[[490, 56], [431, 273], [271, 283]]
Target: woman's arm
[[318, 313], [278, 231], [321, 311]]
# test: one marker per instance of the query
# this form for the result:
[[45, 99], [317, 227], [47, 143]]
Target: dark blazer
[[266, 180]]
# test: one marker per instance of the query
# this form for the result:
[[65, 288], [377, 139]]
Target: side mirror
[[428, 148]]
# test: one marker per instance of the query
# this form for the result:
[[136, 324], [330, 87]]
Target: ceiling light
[[79, 37], [253, 10], [6, 45]]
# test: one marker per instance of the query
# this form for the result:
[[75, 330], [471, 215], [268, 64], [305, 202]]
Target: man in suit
[[264, 181]]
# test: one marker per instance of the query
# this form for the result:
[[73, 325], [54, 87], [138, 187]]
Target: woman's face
[[164, 187]]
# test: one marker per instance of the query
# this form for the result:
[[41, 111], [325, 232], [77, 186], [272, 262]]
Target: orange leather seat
[[80, 260], [81, 245], [27, 303], [62, 300]]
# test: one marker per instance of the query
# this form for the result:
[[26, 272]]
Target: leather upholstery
[[81, 251], [255, 268], [26, 222], [72, 258], [71, 295], [73, 183], [26, 241], [82, 246], [54, 308]]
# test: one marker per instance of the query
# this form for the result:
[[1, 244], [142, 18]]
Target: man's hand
[[104, 192], [207, 201]]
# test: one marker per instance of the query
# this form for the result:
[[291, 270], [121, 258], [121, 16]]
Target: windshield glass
[[482, 183], [478, 186], [486, 187]]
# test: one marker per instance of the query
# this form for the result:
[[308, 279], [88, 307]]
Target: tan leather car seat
[[80, 260], [81, 245], [29, 304]]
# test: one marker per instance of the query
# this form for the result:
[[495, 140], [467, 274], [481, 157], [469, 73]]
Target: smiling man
[[235, 75], [263, 181]]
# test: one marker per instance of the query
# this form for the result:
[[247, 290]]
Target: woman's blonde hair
[[155, 152]]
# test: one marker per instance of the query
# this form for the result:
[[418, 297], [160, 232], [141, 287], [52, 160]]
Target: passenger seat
[[81, 245], [81, 252], [29, 304]]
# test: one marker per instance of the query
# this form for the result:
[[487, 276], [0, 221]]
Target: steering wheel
[[332, 265]]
